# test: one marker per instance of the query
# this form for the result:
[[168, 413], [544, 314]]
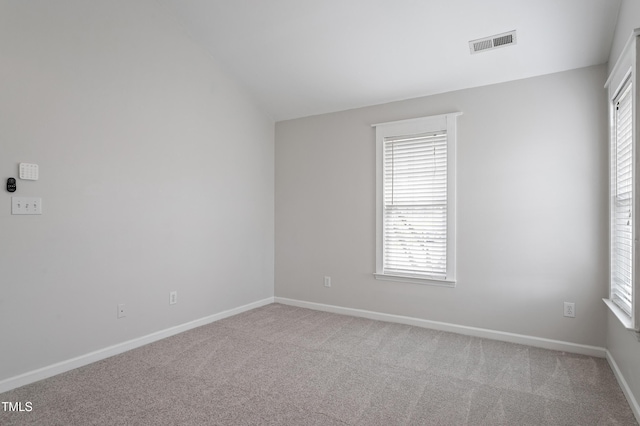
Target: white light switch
[[26, 205]]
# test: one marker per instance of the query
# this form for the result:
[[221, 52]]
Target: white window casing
[[415, 200], [622, 87], [621, 204]]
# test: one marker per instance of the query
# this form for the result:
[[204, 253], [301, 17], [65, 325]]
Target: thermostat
[[28, 171]]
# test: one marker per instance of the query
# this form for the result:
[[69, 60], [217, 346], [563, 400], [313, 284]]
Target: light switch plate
[[28, 171], [26, 205]]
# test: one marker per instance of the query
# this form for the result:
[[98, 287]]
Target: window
[[623, 288], [415, 199], [621, 204]]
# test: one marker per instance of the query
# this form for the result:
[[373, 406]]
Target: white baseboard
[[633, 403], [82, 360], [556, 345]]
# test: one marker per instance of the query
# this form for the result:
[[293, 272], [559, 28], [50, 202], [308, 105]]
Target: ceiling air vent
[[492, 42]]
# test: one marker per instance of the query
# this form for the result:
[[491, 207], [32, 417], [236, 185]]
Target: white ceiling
[[306, 57]]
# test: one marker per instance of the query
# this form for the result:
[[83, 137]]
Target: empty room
[[321, 212]]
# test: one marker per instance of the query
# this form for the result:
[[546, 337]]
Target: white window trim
[[625, 68], [411, 127], [620, 314]]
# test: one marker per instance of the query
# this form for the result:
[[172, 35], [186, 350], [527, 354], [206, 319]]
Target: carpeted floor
[[281, 365]]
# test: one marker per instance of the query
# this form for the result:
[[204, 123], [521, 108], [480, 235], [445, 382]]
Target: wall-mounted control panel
[[26, 205], [11, 185], [28, 171]]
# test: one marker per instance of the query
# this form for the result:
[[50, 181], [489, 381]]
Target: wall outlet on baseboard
[[122, 312], [173, 297], [569, 309], [327, 281]]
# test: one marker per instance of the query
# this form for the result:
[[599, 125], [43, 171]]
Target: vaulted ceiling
[[306, 57]]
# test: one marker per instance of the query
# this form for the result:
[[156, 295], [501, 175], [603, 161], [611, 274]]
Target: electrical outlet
[[327, 281], [122, 312], [569, 309], [173, 297]]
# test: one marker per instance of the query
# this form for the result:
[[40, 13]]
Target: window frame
[[623, 72], [411, 127]]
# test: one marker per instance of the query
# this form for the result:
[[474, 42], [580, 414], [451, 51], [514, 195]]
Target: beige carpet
[[281, 365]]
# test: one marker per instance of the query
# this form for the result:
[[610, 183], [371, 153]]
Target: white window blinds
[[622, 201], [415, 205], [416, 200]]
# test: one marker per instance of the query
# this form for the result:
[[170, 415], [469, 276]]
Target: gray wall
[[623, 345], [628, 20], [532, 216], [156, 174]]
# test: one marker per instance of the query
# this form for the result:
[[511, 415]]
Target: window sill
[[416, 280], [620, 314]]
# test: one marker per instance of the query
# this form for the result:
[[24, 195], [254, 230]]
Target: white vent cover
[[493, 42]]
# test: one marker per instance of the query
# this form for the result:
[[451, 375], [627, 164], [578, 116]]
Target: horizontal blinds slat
[[408, 157], [418, 185], [417, 170], [622, 203], [432, 152], [417, 222], [426, 146], [419, 143], [399, 258], [398, 201], [416, 149], [399, 242], [426, 167], [394, 196]]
